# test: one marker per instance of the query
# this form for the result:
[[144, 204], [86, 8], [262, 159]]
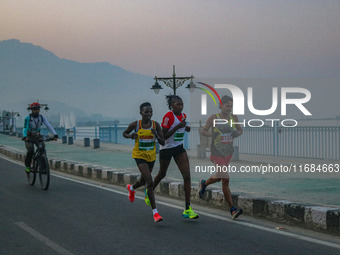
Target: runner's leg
[[146, 175], [163, 167], [227, 192], [211, 180], [140, 182], [182, 162]]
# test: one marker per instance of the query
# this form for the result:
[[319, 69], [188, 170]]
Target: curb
[[320, 218]]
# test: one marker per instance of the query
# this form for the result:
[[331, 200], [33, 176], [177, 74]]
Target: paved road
[[74, 217]]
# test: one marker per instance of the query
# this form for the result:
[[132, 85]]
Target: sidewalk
[[309, 188]]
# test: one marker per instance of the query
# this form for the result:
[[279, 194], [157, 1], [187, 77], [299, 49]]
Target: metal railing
[[302, 142], [83, 132], [44, 131]]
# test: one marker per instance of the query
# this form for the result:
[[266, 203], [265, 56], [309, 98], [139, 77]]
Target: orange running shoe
[[157, 217], [131, 193]]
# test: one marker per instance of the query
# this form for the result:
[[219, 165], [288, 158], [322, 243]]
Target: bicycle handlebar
[[42, 138]]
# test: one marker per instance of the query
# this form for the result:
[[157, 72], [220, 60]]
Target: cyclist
[[33, 123]]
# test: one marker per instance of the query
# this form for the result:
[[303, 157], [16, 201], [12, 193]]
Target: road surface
[[78, 216]]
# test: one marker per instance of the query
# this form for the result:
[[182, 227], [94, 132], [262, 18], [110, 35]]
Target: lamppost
[[9, 121], [173, 82]]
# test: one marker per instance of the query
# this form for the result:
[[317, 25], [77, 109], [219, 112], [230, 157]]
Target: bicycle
[[40, 163]]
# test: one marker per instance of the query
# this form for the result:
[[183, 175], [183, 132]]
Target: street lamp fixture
[[8, 121], [191, 86], [11, 114], [156, 87], [173, 82]]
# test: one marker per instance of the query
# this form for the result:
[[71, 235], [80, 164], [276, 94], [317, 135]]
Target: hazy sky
[[206, 38]]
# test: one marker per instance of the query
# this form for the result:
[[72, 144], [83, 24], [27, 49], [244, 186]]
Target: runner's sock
[[154, 211], [131, 188], [187, 205]]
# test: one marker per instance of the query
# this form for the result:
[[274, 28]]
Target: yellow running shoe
[[147, 200], [190, 214]]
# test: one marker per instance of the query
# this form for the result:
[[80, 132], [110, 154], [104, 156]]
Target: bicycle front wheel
[[44, 172]]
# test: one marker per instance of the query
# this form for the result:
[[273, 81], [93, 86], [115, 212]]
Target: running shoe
[[146, 199], [235, 212], [131, 193], [157, 217], [202, 188], [190, 214], [27, 169]]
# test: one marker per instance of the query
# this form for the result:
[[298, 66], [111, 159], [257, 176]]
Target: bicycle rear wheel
[[44, 172], [31, 176]]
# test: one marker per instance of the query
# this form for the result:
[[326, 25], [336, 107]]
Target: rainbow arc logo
[[209, 93]]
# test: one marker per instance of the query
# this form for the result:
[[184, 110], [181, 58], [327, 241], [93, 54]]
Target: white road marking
[[304, 238], [56, 247]]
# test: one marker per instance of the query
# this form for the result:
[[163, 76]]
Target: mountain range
[[104, 91], [29, 72]]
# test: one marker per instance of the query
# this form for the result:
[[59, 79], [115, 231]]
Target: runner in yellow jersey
[[222, 149], [144, 153]]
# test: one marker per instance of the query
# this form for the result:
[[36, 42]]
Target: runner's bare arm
[[208, 125], [239, 130], [159, 134], [167, 133], [132, 126]]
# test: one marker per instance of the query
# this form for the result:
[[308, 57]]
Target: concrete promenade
[[310, 199]]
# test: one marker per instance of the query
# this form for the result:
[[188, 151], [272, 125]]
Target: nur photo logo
[[295, 96]]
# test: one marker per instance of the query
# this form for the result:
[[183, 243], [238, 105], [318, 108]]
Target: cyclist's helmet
[[34, 106]]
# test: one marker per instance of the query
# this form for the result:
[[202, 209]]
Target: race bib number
[[179, 137], [226, 138], [146, 144]]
